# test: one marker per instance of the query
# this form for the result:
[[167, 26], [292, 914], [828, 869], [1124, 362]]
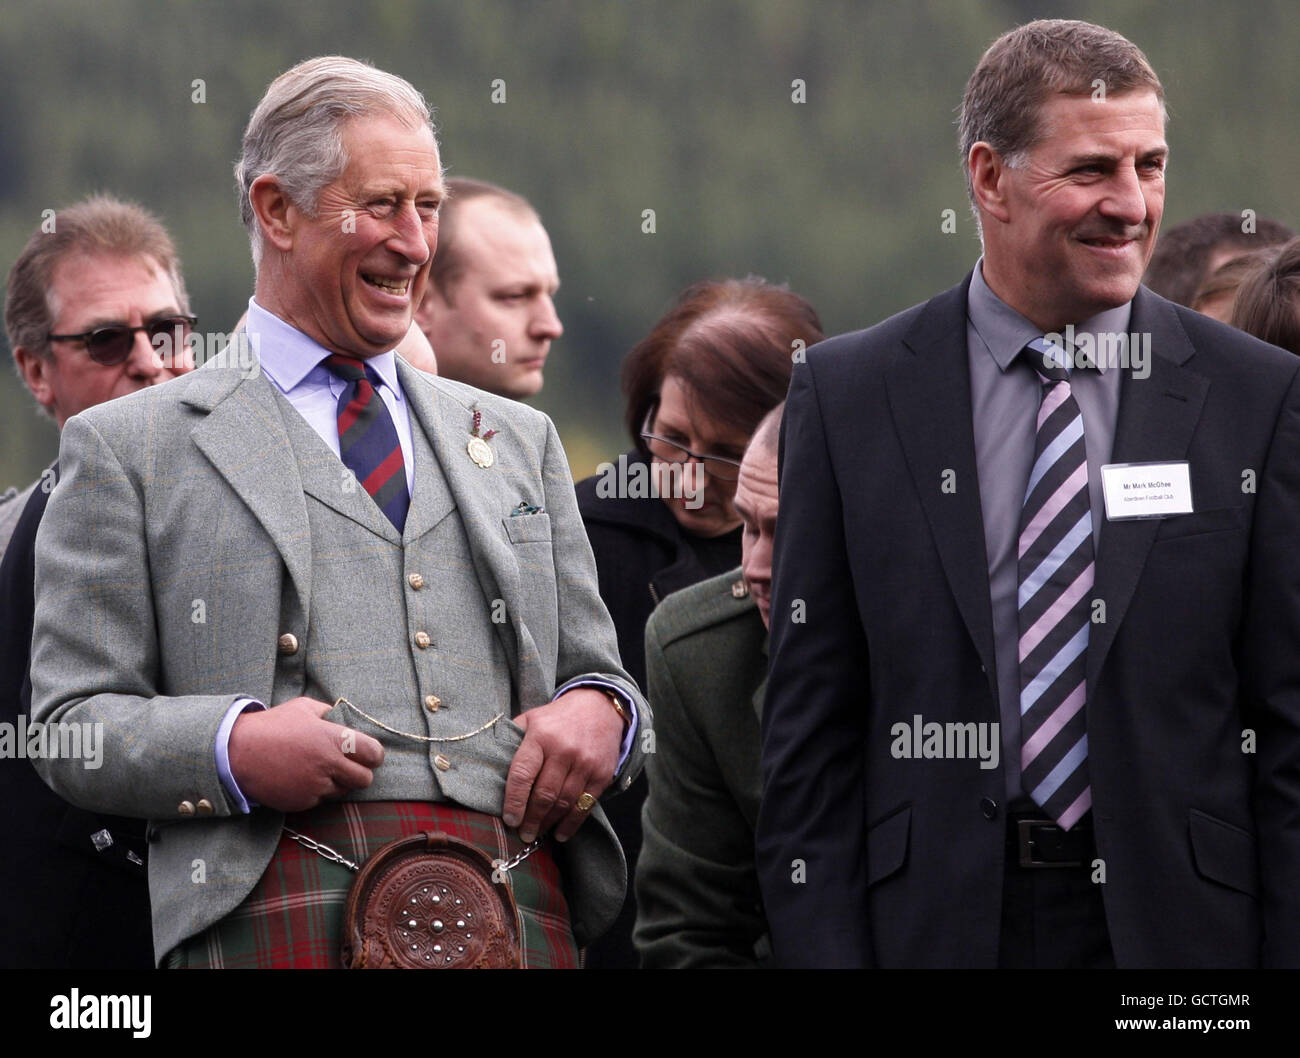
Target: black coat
[[642, 555], [66, 901]]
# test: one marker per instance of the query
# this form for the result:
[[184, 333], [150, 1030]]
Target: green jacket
[[698, 901]]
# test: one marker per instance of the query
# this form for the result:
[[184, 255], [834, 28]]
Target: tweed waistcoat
[[401, 627]]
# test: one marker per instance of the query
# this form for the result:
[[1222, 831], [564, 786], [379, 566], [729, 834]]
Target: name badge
[[1146, 490]]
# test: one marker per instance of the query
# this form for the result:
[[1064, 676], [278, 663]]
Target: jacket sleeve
[[697, 895], [588, 646], [809, 838], [95, 657]]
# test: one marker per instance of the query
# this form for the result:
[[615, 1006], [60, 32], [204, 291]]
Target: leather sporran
[[428, 902]]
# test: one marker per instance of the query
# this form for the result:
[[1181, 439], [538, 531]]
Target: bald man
[[489, 312]]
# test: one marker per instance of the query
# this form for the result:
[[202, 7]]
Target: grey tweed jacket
[[191, 492]]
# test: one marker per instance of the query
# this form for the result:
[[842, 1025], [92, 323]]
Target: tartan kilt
[[293, 918]]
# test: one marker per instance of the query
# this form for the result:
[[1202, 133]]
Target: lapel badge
[[479, 449]]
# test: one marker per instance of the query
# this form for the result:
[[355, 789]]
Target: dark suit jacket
[[697, 895], [881, 612], [64, 901]]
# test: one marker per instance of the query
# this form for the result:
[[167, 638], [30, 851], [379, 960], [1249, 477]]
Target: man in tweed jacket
[[208, 554]]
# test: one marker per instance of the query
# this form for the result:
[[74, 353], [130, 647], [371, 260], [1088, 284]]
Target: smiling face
[[1069, 234], [91, 291], [494, 328], [351, 276]]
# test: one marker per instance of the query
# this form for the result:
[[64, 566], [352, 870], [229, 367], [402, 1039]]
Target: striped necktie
[[368, 441], [1055, 577]]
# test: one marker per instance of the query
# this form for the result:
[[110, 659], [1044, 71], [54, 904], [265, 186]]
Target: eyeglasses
[[719, 467], [111, 345]]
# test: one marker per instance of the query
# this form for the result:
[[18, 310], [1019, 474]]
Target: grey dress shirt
[[1005, 395]]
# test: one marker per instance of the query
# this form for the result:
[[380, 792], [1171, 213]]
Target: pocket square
[[525, 508]]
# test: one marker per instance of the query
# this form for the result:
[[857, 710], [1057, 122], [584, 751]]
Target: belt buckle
[[1026, 844]]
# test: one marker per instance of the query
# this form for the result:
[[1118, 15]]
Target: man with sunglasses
[[95, 308]]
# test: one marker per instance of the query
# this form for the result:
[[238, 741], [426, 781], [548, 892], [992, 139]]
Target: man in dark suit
[[1035, 688], [73, 881]]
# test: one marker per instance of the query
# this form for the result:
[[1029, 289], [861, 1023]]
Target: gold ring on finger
[[585, 802]]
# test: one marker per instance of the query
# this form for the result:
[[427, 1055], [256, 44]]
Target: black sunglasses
[[111, 345]]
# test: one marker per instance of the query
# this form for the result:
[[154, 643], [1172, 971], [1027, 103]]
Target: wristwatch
[[617, 703]]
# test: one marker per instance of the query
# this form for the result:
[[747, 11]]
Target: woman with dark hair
[[663, 518]]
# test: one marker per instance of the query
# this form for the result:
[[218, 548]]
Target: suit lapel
[[243, 437], [1157, 417], [477, 492], [431, 497], [929, 397]]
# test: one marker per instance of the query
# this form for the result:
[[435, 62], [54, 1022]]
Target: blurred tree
[[613, 108]]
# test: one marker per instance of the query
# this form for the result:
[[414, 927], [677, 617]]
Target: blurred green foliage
[[614, 107]]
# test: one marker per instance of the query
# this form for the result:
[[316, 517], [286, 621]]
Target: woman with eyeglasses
[[662, 517]]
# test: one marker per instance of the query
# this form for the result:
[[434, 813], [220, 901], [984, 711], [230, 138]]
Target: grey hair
[[295, 132]]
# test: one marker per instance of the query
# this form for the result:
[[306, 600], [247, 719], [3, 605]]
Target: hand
[[570, 748], [289, 759]]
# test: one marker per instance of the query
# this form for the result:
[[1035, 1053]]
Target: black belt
[[1038, 842]]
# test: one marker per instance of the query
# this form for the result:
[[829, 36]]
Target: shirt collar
[[290, 358], [1005, 332]]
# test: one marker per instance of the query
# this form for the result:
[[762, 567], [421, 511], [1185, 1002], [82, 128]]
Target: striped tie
[[368, 441], [1055, 577]]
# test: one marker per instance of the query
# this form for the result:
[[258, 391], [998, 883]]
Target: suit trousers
[[1053, 918]]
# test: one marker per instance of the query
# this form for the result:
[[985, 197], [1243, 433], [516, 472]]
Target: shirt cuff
[[626, 749], [240, 707]]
